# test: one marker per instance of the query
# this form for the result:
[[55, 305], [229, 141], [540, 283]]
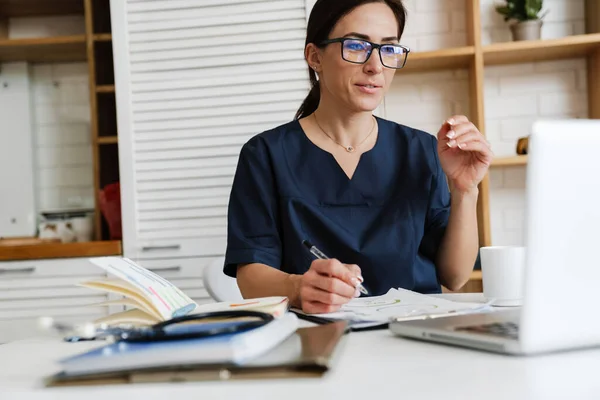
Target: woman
[[371, 194]]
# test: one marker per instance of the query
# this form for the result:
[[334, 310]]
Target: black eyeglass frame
[[374, 46]]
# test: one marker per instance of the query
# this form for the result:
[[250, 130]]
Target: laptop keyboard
[[508, 330]]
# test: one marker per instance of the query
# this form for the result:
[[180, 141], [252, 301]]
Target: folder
[[309, 352]]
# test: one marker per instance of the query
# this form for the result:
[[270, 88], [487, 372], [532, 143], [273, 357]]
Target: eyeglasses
[[358, 51]]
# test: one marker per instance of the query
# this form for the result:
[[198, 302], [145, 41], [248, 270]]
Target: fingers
[[467, 139], [355, 270], [474, 142], [461, 129], [329, 284], [457, 119], [313, 294], [332, 285], [336, 269], [449, 125]]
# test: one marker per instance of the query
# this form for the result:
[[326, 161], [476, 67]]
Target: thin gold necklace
[[349, 149]]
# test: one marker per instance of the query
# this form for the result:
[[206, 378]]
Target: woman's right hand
[[328, 285]]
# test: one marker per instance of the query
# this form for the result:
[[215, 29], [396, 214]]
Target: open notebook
[[149, 298]]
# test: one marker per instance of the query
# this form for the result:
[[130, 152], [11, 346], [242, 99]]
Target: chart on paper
[[396, 303]]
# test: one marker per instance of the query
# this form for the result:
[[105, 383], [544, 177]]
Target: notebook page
[[398, 303], [168, 300], [119, 286]]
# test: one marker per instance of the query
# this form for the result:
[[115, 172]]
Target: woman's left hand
[[464, 153]]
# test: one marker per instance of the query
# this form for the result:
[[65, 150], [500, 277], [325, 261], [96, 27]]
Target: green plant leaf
[[520, 10]]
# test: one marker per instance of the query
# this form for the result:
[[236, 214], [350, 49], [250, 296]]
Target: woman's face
[[359, 87]]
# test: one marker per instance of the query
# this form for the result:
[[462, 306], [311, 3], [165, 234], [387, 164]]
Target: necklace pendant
[[349, 149]]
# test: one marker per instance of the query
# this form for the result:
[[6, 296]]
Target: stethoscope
[[173, 329]]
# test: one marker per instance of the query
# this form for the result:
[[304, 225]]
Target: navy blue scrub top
[[389, 219]]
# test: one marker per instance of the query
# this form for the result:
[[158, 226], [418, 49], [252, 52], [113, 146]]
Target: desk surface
[[370, 361]]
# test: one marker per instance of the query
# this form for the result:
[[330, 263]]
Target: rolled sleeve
[[253, 234]]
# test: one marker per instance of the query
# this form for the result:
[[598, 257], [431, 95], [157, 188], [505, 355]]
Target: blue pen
[[320, 255]]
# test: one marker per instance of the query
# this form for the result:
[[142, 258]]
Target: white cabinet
[[17, 189], [40, 288], [194, 81]]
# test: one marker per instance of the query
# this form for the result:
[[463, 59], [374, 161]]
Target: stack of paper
[[398, 303]]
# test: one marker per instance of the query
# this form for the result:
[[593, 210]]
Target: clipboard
[[308, 353], [353, 326]]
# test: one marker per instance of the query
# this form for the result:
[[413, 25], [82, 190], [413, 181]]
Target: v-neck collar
[[331, 157]]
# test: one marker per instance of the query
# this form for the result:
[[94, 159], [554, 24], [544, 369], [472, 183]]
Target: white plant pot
[[527, 30]]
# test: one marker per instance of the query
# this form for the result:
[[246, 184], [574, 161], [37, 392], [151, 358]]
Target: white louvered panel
[[181, 144], [184, 184], [219, 54], [168, 98], [239, 102], [188, 153], [170, 215], [186, 174], [225, 76], [231, 20], [229, 75], [211, 42], [180, 165], [206, 132], [202, 78], [145, 40], [155, 5], [183, 233], [181, 204], [197, 60], [189, 223], [210, 122], [185, 194], [208, 13]]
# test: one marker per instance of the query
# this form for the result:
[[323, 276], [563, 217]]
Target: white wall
[[62, 138], [61, 118], [514, 95]]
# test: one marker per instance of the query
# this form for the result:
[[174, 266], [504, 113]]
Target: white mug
[[502, 269]]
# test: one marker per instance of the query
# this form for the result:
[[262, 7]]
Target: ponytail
[[310, 104]]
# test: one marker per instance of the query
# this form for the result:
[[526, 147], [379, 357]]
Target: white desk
[[372, 365]]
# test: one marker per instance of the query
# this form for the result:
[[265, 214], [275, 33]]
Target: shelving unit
[[102, 102], [52, 49], [509, 161], [475, 57], [95, 47], [440, 59]]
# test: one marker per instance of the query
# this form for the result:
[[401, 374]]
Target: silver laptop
[[561, 305]]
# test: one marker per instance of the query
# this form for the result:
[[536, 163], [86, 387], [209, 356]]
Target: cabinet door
[[17, 190], [194, 81], [47, 288]]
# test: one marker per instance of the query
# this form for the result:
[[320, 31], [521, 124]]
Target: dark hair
[[323, 18]]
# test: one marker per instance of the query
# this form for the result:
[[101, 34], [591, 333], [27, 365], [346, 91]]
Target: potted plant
[[525, 14]]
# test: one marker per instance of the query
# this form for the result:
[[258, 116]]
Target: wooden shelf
[[476, 275], [103, 37], [60, 250], [38, 8], [108, 140], [105, 88], [460, 57], [59, 49], [541, 50], [509, 161]]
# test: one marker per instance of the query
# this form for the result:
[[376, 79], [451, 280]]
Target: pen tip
[[307, 243]]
